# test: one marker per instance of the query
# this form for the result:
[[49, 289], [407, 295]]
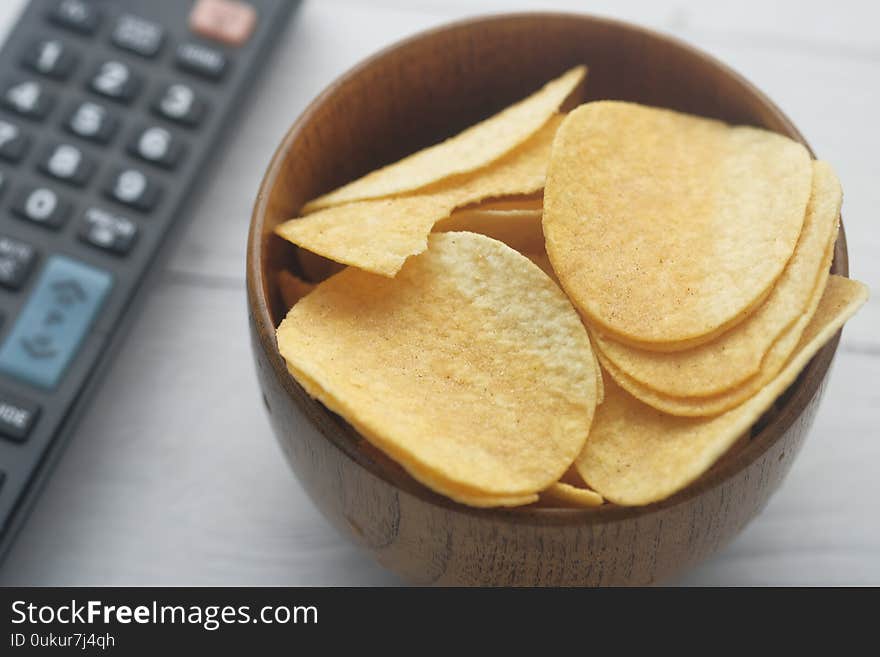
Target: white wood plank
[[174, 476]]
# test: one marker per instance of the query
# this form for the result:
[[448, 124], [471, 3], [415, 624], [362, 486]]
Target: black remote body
[[109, 113]]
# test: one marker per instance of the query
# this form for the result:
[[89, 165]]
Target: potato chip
[[379, 235], [714, 404], [292, 287], [465, 496], [666, 229], [472, 149], [470, 368], [519, 229], [637, 455], [736, 355], [566, 495]]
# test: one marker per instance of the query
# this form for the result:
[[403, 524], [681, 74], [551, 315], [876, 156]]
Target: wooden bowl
[[415, 94]]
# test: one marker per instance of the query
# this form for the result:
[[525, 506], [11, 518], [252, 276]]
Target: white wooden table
[[174, 476]]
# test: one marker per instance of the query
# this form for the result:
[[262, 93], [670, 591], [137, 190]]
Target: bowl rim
[[340, 434]]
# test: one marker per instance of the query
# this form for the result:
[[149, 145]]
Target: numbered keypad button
[[77, 15], [50, 57], [42, 206], [157, 146], [131, 187], [115, 80], [13, 142], [138, 35], [67, 163], [178, 102], [107, 231], [92, 121], [16, 262], [28, 98], [201, 60]]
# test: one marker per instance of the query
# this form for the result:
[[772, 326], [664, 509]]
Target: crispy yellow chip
[[566, 495], [465, 496], [472, 149], [378, 236], [292, 287], [519, 229], [714, 404], [666, 229], [637, 455], [470, 368], [735, 356]]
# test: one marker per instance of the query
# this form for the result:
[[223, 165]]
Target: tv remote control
[[109, 111]]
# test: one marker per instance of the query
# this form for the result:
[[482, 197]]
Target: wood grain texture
[[412, 95], [174, 476]]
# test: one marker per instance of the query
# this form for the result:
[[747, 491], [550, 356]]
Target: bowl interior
[[430, 87]]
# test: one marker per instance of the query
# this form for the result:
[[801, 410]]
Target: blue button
[[54, 321]]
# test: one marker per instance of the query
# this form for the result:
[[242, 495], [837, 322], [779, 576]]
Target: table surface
[[174, 477]]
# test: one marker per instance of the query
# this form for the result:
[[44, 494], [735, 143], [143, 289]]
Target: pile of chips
[[567, 308]]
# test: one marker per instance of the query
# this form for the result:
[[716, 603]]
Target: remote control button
[[17, 418], [13, 142], [178, 102], [132, 188], [107, 231], [67, 163], [195, 58], [16, 261], [228, 21], [28, 98], [76, 15], [157, 146], [92, 121], [138, 35], [61, 309], [41, 205], [50, 57], [115, 80]]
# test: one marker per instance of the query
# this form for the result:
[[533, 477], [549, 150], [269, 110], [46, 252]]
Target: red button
[[229, 21]]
